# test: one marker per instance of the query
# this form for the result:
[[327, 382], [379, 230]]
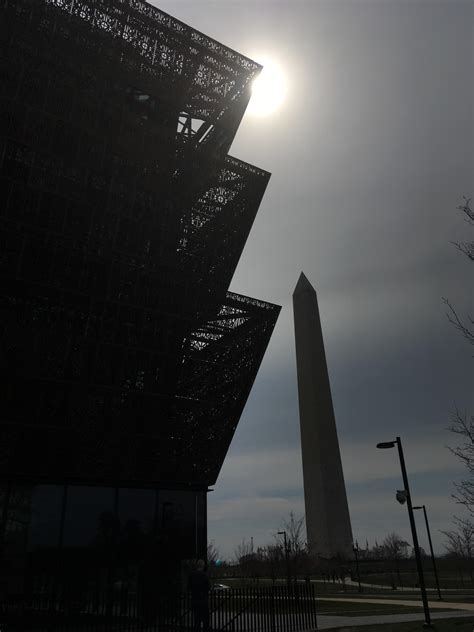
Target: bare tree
[[462, 424], [212, 553], [394, 547], [242, 551], [466, 247], [375, 552], [297, 551], [460, 541], [294, 528], [274, 553], [465, 327], [467, 330]]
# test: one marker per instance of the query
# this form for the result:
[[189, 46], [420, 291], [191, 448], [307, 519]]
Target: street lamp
[[287, 557], [421, 580], [431, 549], [356, 553]]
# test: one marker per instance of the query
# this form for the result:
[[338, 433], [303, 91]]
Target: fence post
[[272, 607], [314, 607]]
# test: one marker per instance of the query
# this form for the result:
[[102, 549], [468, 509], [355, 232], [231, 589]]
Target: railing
[[262, 609]]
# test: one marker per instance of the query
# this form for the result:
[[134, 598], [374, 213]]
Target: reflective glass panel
[[45, 521], [3, 499], [90, 518], [18, 518], [136, 510], [201, 529], [177, 520]]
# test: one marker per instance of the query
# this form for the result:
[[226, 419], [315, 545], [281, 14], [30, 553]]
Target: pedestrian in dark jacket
[[199, 587]]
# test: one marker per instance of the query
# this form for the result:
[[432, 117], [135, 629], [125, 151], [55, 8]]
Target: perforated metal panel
[[123, 356]]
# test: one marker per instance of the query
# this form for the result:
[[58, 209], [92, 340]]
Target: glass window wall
[[177, 521], [45, 516], [84, 538], [90, 516]]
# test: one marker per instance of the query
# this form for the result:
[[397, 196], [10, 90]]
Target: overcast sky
[[370, 153]]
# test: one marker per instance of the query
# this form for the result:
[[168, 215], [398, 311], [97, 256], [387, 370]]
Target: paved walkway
[[350, 582], [327, 622], [404, 602]]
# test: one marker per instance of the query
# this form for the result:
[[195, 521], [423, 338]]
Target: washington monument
[[328, 524]]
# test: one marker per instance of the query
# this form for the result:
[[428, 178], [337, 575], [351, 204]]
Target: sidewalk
[[327, 622], [350, 582], [466, 607]]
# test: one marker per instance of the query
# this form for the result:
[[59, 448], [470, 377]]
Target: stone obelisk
[[328, 524]]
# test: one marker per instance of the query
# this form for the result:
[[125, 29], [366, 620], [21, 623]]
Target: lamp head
[[386, 444]]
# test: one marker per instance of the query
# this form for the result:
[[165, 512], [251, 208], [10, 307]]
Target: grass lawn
[[441, 625]]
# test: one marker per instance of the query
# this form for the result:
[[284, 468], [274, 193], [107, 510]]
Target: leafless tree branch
[[467, 210], [466, 330], [462, 424]]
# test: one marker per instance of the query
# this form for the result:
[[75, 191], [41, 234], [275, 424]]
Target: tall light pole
[[407, 497], [355, 548], [287, 557], [431, 549]]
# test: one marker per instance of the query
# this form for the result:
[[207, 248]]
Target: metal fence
[[262, 609]]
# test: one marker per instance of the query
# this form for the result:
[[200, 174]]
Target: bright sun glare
[[268, 89]]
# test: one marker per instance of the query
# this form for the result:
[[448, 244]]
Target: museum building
[[126, 362]]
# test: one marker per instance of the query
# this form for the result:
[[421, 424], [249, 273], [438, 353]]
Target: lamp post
[[287, 557], [407, 497], [356, 553], [431, 549]]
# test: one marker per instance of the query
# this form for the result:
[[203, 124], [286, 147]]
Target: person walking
[[199, 587]]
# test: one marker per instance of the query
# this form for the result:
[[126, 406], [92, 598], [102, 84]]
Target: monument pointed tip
[[303, 284]]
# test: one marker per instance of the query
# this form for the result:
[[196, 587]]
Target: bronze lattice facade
[[123, 221], [126, 362]]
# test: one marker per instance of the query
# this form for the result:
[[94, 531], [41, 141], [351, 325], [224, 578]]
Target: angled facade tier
[[164, 415], [197, 85], [218, 372]]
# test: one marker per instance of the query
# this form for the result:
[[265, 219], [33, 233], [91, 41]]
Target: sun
[[268, 89]]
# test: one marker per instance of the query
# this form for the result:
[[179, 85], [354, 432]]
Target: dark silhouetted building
[[328, 523], [125, 360]]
